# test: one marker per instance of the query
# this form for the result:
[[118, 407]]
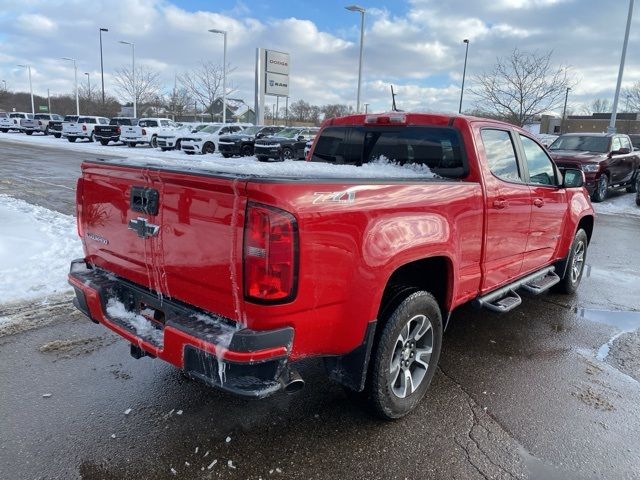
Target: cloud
[[416, 46]]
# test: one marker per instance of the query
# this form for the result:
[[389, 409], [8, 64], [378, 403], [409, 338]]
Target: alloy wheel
[[578, 261], [411, 356]]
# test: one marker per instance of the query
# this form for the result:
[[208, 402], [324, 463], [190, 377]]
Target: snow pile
[[624, 204], [143, 327], [36, 248], [250, 166]]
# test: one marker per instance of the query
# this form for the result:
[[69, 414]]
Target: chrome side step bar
[[506, 299]]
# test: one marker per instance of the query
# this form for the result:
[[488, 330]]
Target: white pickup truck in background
[[146, 131], [83, 128], [39, 123], [12, 122]]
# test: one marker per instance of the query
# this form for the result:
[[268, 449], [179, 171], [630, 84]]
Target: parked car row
[[237, 139]]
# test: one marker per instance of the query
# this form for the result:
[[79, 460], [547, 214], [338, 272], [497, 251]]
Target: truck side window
[[626, 143], [615, 144], [501, 155], [541, 169]]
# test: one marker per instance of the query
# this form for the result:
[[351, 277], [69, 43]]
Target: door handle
[[500, 204], [538, 202]]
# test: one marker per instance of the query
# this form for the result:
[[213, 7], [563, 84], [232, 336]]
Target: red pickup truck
[[233, 276]]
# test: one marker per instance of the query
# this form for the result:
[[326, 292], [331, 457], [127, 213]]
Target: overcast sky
[[416, 45]]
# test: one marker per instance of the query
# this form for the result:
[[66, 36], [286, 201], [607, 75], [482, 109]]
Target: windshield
[[17, 115], [211, 129], [41, 116], [250, 130], [581, 143], [289, 133]]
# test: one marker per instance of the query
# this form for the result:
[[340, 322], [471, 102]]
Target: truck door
[[548, 206], [508, 209]]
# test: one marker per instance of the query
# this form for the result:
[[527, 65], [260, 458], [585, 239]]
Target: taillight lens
[[84, 127], [144, 132], [79, 191], [118, 130], [270, 254], [40, 122]]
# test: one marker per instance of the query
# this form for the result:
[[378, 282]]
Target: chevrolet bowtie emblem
[[142, 228]]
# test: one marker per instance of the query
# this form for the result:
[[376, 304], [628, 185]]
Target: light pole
[[564, 110], [101, 62], [366, 108], [464, 73], [4, 82], [75, 70], [612, 124], [88, 85], [133, 76], [28, 67], [224, 73], [361, 10]]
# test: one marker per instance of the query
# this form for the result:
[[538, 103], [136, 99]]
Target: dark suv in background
[[287, 144], [607, 160], [242, 143]]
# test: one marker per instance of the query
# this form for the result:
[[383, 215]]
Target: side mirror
[[573, 178], [259, 135], [300, 138]]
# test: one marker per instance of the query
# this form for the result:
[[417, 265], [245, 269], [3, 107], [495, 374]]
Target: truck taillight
[[84, 127], [270, 254], [118, 130], [79, 191], [40, 122], [396, 118], [144, 132]]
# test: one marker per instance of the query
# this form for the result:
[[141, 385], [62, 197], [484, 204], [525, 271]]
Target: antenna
[[393, 100]]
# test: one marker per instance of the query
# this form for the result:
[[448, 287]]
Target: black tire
[[57, 135], [164, 149], [46, 130], [72, 139], [380, 393], [154, 142], [4, 130], [602, 189], [226, 155], [208, 147], [178, 145], [246, 151], [90, 138], [131, 144], [262, 158], [635, 183], [29, 132], [287, 153], [577, 254], [104, 142]]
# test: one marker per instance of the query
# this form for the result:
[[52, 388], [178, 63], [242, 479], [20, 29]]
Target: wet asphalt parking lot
[[548, 391]]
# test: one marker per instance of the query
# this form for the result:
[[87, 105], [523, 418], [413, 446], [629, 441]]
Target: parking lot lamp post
[[464, 73], [88, 85], [28, 67], [361, 10], [75, 70], [133, 76], [564, 110], [614, 110], [101, 62], [224, 73]]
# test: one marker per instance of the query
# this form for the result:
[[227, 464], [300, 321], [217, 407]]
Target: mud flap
[[350, 369]]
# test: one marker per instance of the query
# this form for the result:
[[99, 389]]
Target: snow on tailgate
[[380, 168], [36, 248]]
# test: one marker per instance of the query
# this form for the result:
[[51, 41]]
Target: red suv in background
[[607, 160]]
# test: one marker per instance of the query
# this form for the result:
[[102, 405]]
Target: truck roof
[[406, 118]]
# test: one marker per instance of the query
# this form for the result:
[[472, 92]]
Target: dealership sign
[[272, 78], [277, 62], [277, 84]]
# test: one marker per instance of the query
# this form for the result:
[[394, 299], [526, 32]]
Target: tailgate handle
[[144, 200]]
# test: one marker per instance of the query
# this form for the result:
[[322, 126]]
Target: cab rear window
[[438, 148]]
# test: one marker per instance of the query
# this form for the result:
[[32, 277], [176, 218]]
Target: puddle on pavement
[[539, 470], [624, 321]]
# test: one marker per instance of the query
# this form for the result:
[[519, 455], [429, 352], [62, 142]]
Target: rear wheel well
[[429, 274], [586, 224]]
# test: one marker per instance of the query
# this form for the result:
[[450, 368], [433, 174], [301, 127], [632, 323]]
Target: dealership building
[[595, 123]]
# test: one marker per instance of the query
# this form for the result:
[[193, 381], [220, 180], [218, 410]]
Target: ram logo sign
[[277, 84]]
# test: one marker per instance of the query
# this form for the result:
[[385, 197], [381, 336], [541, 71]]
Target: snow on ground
[[618, 204], [36, 248], [147, 156]]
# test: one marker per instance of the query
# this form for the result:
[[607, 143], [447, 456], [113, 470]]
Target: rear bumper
[[208, 347], [109, 138], [191, 147]]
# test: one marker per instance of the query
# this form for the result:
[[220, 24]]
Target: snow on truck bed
[[250, 166]]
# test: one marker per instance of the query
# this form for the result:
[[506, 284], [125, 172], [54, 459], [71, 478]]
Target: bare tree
[[522, 86], [632, 96], [600, 105], [147, 85], [336, 110], [204, 84]]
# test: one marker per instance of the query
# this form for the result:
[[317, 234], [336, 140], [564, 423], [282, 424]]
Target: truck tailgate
[[72, 128], [195, 250], [130, 131]]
